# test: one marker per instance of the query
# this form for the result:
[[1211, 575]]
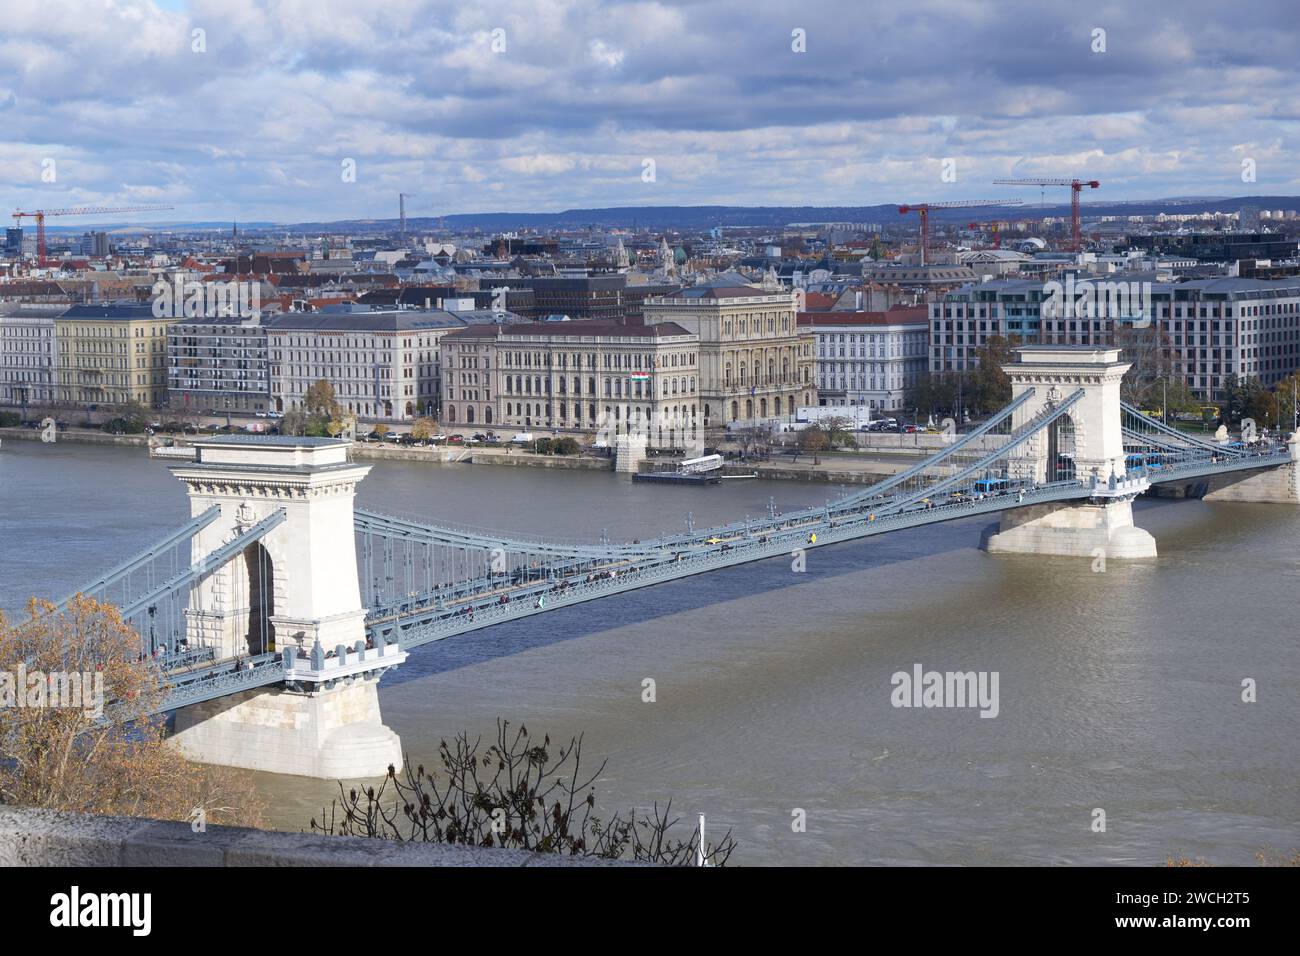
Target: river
[[1118, 690]]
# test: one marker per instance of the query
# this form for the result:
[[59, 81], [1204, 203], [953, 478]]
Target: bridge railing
[[321, 666], [434, 624]]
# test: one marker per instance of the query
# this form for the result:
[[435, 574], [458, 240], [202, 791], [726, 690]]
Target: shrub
[[543, 446], [515, 792], [10, 419], [566, 446]]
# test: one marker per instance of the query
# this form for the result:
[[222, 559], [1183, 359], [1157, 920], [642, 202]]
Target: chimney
[[857, 301]]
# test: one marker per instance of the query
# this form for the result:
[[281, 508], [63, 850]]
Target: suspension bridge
[[272, 613]]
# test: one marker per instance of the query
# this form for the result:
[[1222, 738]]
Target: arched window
[[469, 414], [487, 415], [451, 413]]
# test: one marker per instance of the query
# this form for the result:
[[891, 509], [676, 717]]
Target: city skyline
[[502, 108]]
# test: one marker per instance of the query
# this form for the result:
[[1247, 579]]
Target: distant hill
[[697, 218], [657, 218]]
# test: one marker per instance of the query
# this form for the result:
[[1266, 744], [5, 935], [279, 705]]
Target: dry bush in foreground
[[512, 794]]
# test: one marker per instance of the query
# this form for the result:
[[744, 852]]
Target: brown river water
[[1118, 690]]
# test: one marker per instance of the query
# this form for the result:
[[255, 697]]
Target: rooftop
[[596, 328]]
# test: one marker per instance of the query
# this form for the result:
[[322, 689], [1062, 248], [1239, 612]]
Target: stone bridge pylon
[[1086, 443], [294, 592]]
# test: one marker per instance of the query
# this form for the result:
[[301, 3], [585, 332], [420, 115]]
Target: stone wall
[[47, 838], [1268, 486]]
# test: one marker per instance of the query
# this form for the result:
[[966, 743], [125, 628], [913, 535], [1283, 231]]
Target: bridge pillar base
[[1073, 530], [331, 734], [629, 452], [1280, 486]]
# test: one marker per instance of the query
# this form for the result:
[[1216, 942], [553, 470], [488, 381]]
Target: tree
[[344, 422], [1238, 395], [319, 411], [319, 401], [294, 422], [754, 440], [990, 388], [382, 430], [422, 429], [813, 441], [1286, 393], [1153, 362], [934, 393], [839, 431], [87, 738], [515, 794], [135, 415]]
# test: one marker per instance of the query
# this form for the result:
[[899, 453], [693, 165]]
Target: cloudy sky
[[543, 105]]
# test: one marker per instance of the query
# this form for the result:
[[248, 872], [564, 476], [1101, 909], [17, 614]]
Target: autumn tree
[[422, 429], [79, 728], [1287, 395], [320, 408], [813, 441]]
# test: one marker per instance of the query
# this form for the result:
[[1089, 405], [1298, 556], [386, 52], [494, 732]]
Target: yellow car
[[714, 540]]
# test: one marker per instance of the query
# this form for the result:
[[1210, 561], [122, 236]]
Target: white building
[[27, 353], [382, 365], [868, 358]]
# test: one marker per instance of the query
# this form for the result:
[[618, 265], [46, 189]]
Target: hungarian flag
[[640, 376]]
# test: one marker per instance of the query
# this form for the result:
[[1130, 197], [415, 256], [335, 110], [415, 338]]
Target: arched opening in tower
[[261, 598]]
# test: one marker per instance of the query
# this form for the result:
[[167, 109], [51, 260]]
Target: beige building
[[110, 355], [595, 378], [755, 363]]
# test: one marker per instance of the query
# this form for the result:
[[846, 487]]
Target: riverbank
[[835, 468], [78, 436]]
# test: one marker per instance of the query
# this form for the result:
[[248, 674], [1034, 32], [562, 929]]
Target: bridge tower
[[294, 593], [1086, 443]]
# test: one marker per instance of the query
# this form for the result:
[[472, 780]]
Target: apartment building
[[587, 378], [754, 361], [868, 358], [110, 355], [219, 365], [383, 365], [1214, 330], [27, 354]]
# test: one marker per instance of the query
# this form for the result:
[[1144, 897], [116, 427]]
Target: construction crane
[[1076, 187], [40, 214], [923, 209]]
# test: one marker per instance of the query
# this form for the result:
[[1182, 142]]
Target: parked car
[[455, 440]]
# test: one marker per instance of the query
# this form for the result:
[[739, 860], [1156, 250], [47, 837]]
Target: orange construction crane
[[40, 214], [923, 209], [1076, 187]]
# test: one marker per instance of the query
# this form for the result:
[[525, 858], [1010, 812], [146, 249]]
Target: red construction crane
[[40, 214], [923, 209], [1076, 187]]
